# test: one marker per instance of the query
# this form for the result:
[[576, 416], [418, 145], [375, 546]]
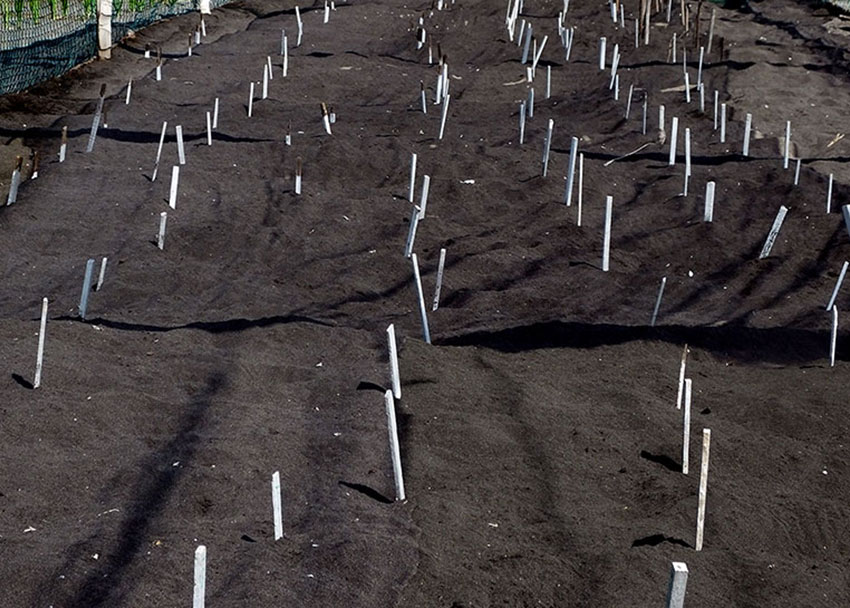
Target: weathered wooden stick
[[160, 239], [422, 101], [547, 142], [175, 179], [539, 53], [687, 87], [678, 585], [445, 115], [277, 506], [42, 332], [686, 433], [16, 181], [426, 332], [703, 487], [63, 147], [837, 285], [530, 105], [674, 135], [682, 366], [215, 114], [580, 187], [209, 129], [711, 29], [298, 170], [265, 82], [181, 152], [606, 241], [748, 125], [285, 57], [723, 123], [423, 199], [615, 62], [834, 340], [629, 100], [602, 43], [251, 100], [440, 268], [159, 151], [687, 158], [568, 192], [548, 81], [95, 123], [84, 296], [102, 275], [395, 451], [411, 231], [699, 70], [774, 231], [797, 172], [412, 177], [521, 122], [269, 64], [129, 92], [716, 107], [787, 144], [829, 195], [527, 46], [709, 202], [658, 302], [200, 589]]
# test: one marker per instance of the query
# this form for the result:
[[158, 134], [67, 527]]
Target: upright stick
[[658, 302], [547, 143], [412, 177], [277, 507], [159, 150], [129, 92], [748, 125], [440, 268], [200, 589], [837, 285], [678, 585], [423, 200], [580, 187], [63, 147], [175, 180], [674, 135], [395, 451], [797, 172], [411, 231], [703, 486], [834, 340], [209, 129], [445, 115], [42, 331], [102, 274], [723, 123], [682, 366], [250, 100], [686, 433], [709, 202], [84, 296], [181, 152], [16, 181], [426, 332], [774, 231], [393, 348], [568, 193], [606, 242], [787, 143], [96, 120], [829, 195], [160, 239]]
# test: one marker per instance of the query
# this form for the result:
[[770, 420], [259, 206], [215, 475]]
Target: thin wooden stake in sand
[[678, 585], [723, 123], [686, 432], [837, 285], [200, 589], [445, 115], [160, 239], [521, 122], [834, 339], [709, 202], [412, 177], [393, 348], [829, 195], [682, 366], [209, 129], [16, 181], [787, 144], [547, 143], [602, 43], [568, 193], [658, 302], [606, 242], [159, 151], [175, 180], [748, 126], [674, 135], [84, 296], [423, 201], [411, 231], [277, 507], [298, 170], [250, 100], [181, 151], [95, 123], [703, 486], [102, 274], [215, 114], [395, 451], [63, 147], [774, 232], [39, 358], [440, 268], [426, 332], [580, 187], [129, 92]]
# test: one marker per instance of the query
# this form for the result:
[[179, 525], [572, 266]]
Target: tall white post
[[160, 239], [834, 340], [748, 125], [251, 100], [682, 366], [412, 177], [42, 331], [709, 202], [445, 115], [102, 274], [441, 266], [422, 313], [568, 194], [84, 296], [774, 231], [678, 585], [181, 152], [215, 114], [411, 231], [787, 143], [395, 451], [547, 143], [674, 135], [722, 123], [658, 302], [104, 29], [686, 433], [829, 195], [277, 507], [606, 243], [209, 129], [703, 486], [580, 187], [423, 200], [602, 43], [200, 589], [175, 179], [837, 285], [393, 348]]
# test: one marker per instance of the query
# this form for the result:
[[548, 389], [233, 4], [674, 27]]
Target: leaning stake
[[39, 358]]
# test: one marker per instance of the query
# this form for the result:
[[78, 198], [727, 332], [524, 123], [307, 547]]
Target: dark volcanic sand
[[540, 441]]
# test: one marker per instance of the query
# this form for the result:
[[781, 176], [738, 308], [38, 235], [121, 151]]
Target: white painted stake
[[539, 53], [837, 285], [175, 179], [580, 187], [674, 135], [395, 452], [661, 118], [412, 177], [181, 154], [602, 43], [277, 507], [701, 89], [209, 129], [787, 144], [39, 358], [63, 147], [15, 183], [748, 125], [686, 433], [568, 193], [102, 275], [709, 202], [411, 231], [658, 302], [606, 243], [285, 57], [716, 107], [829, 195], [251, 100], [643, 121], [832, 342], [269, 64], [159, 71], [129, 92], [547, 143], [723, 123], [200, 590], [614, 64], [703, 486], [426, 332], [215, 114], [678, 585], [423, 103], [629, 100], [265, 81], [521, 122], [688, 151], [393, 348], [160, 239], [682, 366], [673, 45], [774, 231], [687, 88], [530, 105], [699, 70], [159, 151], [300, 26], [548, 81], [423, 200], [440, 268], [298, 175], [797, 173], [445, 115], [84, 295], [527, 47]]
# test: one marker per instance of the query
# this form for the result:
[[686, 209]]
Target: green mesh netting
[[843, 4], [40, 39]]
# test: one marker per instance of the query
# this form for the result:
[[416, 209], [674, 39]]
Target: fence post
[[104, 29]]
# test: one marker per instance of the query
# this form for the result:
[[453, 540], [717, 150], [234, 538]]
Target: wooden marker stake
[[682, 377], [445, 115], [63, 147], [160, 239], [326, 121], [440, 268], [39, 358], [426, 332], [159, 150], [629, 100], [686, 433], [393, 348], [568, 192], [395, 451], [716, 107], [16, 181], [159, 70], [411, 231], [209, 129], [102, 275], [580, 187], [602, 43], [774, 231], [787, 144], [423, 201], [285, 57], [606, 242], [215, 114], [748, 125], [658, 302], [288, 137], [35, 160], [678, 585], [709, 202], [96, 120], [175, 179], [723, 123], [423, 103], [412, 177], [797, 173], [703, 486], [643, 121], [200, 589], [181, 151], [265, 81], [547, 143], [277, 507], [269, 64], [699, 70], [687, 158], [829, 195], [84, 296], [300, 26], [250, 100], [674, 135], [834, 340], [837, 285], [129, 92], [298, 175], [521, 122]]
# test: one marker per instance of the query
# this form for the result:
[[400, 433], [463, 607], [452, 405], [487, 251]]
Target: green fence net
[[40, 39]]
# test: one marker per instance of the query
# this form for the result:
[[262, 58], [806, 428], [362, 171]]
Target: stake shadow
[[366, 491], [22, 381], [665, 461], [653, 540]]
